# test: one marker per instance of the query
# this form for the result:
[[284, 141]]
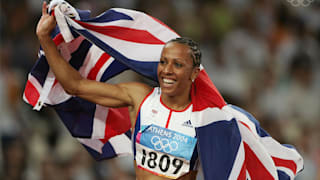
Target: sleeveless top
[[164, 140]]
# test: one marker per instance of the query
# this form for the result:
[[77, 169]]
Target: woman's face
[[175, 69]]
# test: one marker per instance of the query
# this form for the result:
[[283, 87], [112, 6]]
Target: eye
[[162, 62], [178, 65]]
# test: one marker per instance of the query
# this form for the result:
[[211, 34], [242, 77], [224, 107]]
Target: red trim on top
[[174, 109], [149, 171], [55, 82], [290, 164], [169, 117], [124, 33], [141, 105]]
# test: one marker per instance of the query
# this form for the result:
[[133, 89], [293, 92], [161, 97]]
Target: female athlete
[[164, 140]]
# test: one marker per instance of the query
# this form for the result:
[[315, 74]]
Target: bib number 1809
[[163, 161]]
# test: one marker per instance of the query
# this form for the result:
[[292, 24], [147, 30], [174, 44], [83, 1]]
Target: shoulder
[[136, 90]]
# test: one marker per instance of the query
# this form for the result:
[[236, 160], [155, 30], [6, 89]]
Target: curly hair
[[195, 51]]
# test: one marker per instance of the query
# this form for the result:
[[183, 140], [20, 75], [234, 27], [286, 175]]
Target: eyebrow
[[180, 59]]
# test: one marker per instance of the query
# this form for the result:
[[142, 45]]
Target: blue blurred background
[[262, 55]]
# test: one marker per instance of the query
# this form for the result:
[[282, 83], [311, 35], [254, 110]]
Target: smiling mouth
[[168, 81]]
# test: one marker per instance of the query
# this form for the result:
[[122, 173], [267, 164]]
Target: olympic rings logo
[[297, 3], [164, 144]]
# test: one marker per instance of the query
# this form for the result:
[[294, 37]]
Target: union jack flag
[[232, 145]]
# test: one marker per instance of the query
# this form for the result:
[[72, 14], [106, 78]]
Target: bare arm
[[119, 95]]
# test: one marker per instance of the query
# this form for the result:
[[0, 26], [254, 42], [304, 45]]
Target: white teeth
[[168, 81]]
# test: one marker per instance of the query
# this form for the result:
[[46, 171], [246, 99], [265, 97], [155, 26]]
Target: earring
[[192, 80]]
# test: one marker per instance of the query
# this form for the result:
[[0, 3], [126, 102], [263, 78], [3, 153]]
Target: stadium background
[[262, 55]]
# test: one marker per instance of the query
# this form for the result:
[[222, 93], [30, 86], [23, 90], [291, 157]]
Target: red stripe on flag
[[242, 174], [254, 166], [245, 125], [118, 122], [124, 33], [206, 96], [160, 22], [31, 93], [58, 39], [286, 163], [101, 61]]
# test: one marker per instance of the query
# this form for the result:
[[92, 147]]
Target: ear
[[195, 73]]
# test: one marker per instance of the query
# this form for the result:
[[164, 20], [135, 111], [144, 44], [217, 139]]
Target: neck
[[176, 102]]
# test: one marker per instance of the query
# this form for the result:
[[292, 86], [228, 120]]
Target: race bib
[[164, 152]]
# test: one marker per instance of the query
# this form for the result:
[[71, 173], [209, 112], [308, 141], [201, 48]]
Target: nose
[[168, 69]]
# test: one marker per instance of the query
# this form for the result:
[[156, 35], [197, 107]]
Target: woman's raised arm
[[118, 95]]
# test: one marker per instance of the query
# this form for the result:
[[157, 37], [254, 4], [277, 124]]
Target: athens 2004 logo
[[164, 144], [300, 3]]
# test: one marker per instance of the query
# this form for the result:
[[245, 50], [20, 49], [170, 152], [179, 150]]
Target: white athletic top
[[164, 140]]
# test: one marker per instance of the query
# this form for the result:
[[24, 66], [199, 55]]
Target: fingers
[[44, 8]]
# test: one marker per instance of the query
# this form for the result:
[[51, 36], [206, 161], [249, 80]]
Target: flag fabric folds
[[232, 145]]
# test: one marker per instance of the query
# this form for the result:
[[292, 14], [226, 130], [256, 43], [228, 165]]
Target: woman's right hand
[[46, 23]]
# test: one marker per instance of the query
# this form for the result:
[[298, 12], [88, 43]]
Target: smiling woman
[[171, 156], [180, 124], [177, 69]]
